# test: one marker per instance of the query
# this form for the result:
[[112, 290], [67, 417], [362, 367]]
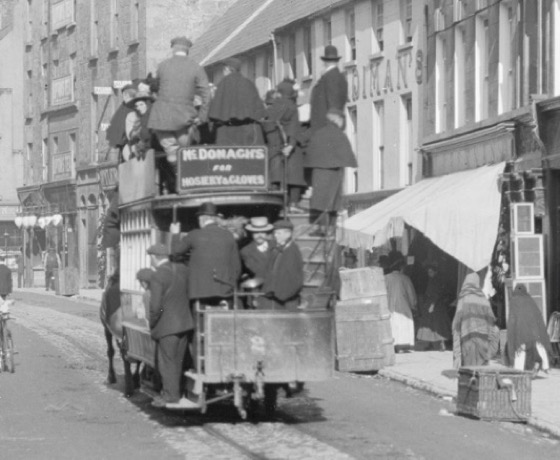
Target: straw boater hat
[[259, 225]]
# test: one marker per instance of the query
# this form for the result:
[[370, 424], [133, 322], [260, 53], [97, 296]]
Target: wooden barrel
[[364, 339]]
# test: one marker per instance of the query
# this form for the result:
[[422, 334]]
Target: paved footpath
[[423, 370]]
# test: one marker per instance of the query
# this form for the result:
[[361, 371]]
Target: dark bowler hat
[[207, 209], [331, 53], [234, 63], [283, 223], [183, 42], [158, 249]]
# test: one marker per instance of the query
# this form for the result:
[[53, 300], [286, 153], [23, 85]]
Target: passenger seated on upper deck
[[139, 137], [284, 276], [179, 80], [214, 262], [236, 108], [116, 132]]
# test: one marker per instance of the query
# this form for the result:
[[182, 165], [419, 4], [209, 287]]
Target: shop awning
[[458, 212]]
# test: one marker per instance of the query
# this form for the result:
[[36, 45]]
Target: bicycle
[[6, 340]]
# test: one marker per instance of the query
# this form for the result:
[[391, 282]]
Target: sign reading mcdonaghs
[[223, 167]]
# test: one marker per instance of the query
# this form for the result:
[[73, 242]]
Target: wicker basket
[[492, 393]]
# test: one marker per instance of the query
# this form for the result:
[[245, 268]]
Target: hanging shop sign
[[102, 90], [119, 84], [225, 168]]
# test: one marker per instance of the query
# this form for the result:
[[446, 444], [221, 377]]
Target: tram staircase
[[320, 257]]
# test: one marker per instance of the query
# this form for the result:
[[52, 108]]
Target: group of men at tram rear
[[209, 278], [238, 116]]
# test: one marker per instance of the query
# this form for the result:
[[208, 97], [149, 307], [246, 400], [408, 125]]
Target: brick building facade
[[78, 54]]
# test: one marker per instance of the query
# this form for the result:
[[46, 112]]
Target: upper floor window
[[94, 30], [482, 54], [377, 21], [406, 15], [351, 33], [134, 19], [308, 48], [292, 57], [327, 31], [114, 24]]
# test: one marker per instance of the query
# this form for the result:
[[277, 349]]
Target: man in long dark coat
[[215, 265], [330, 92], [236, 108], [171, 322], [281, 126], [328, 153], [284, 279], [172, 114]]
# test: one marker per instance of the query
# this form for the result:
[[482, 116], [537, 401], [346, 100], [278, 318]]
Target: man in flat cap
[[236, 108], [173, 113], [284, 278], [330, 92], [215, 265], [171, 323]]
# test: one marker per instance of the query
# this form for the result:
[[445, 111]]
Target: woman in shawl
[[473, 326], [528, 344], [402, 302], [434, 327]]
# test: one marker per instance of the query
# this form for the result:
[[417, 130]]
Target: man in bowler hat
[[179, 80], [215, 265], [284, 278], [171, 323], [330, 92], [5, 279]]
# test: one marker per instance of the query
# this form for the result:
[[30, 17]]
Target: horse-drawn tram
[[243, 354]]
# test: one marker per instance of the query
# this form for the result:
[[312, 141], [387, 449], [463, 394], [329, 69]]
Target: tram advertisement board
[[222, 168]]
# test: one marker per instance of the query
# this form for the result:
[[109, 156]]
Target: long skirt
[[327, 188], [402, 327]]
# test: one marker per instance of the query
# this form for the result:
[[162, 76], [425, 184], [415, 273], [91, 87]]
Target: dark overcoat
[[5, 280], [170, 312], [235, 110], [180, 79], [215, 265], [283, 113], [255, 261], [329, 148], [330, 92], [284, 278], [116, 132]]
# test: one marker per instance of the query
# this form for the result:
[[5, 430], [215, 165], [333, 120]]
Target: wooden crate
[[358, 283], [364, 339], [492, 393]]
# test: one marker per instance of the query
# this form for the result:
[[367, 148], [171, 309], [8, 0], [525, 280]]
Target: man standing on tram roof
[[171, 322], [284, 278], [179, 80], [215, 265], [330, 92], [236, 108]]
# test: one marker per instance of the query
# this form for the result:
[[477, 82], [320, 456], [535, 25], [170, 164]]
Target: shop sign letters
[[384, 76], [226, 168]]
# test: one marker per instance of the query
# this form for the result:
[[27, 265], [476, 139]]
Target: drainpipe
[[275, 59]]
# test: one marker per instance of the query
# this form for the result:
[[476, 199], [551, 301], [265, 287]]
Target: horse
[[111, 316]]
